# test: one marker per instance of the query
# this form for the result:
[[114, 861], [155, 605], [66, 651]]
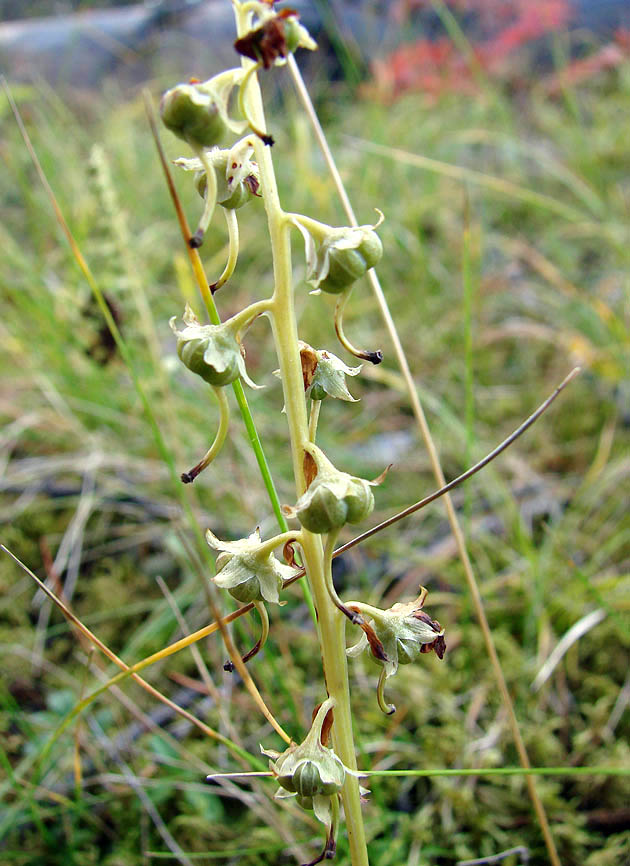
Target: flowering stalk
[[331, 623]]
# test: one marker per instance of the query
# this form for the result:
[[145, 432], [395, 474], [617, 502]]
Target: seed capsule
[[349, 256], [310, 769], [192, 114], [211, 351], [333, 498]]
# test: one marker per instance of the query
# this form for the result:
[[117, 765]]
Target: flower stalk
[[331, 623]]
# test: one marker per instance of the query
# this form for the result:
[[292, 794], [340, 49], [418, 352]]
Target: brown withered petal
[[324, 737], [252, 184], [440, 646], [265, 44], [288, 552], [308, 359], [310, 469], [424, 617], [376, 645]]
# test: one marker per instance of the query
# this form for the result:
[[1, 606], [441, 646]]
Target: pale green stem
[[279, 540], [374, 357], [233, 244], [364, 608], [210, 199], [262, 640], [331, 538], [245, 317], [264, 623], [318, 230], [219, 439], [242, 102], [331, 622], [388, 709], [316, 406]]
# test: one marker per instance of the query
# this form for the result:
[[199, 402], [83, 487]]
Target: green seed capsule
[[308, 781], [324, 510], [359, 500], [247, 591], [193, 115], [317, 393], [222, 371], [347, 265]]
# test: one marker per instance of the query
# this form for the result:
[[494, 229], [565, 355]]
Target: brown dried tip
[[329, 851], [372, 357], [324, 736], [288, 552], [376, 646], [229, 666], [310, 468], [196, 240], [189, 477], [308, 359]]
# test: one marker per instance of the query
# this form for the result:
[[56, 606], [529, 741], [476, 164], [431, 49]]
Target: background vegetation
[[501, 277]]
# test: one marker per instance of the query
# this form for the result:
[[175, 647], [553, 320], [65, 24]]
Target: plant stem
[[331, 623]]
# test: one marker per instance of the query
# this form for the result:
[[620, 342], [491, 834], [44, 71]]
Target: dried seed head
[[275, 36], [399, 635]]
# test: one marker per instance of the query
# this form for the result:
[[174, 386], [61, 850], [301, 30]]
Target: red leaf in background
[[608, 57], [436, 67]]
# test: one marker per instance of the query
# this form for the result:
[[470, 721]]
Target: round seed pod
[[324, 510], [308, 782], [346, 266], [317, 393], [193, 115], [193, 353], [247, 591], [359, 500]]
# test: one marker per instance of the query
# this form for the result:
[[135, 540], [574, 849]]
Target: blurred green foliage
[[531, 283]]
